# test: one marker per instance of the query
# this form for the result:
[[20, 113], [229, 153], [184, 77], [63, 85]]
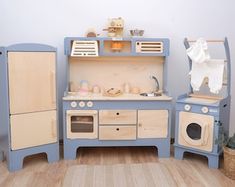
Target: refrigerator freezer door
[[33, 129]]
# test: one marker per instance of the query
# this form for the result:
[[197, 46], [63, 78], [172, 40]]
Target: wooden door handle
[[53, 86], [53, 128]]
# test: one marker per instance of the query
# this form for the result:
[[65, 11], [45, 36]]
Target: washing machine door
[[196, 130], [196, 133]]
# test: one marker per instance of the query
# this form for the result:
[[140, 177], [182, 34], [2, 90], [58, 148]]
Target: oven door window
[[82, 124], [194, 131]]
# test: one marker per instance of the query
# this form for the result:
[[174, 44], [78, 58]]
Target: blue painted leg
[[213, 161], [1, 155], [179, 153], [16, 162], [70, 153], [53, 154], [163, 151]]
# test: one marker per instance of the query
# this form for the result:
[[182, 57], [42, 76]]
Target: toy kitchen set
[[117, 92]]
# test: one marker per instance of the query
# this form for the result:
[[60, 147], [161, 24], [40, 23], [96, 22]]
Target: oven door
[[82, 124], [196, 130]]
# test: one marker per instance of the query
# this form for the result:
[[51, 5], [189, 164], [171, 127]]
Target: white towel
[[212, 69], [216, 75], [198, 52]]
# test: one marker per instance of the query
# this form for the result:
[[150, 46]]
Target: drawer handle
[[117, 129], [117, 113]]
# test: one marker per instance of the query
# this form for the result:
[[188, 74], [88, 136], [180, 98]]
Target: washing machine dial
[[187, 107], [89, 104], [73, 104], [82, 104], [205, 110]]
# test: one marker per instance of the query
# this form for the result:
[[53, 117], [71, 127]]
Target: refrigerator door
[[33, 129], [32, 81]]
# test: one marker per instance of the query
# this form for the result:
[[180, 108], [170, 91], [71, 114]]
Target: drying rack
[[227, 60]]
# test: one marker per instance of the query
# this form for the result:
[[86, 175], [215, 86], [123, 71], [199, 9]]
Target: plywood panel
[[32, 81], [152, 123], [33, 129], [207, 125], [110, 72], [117, 132], [108, 117]]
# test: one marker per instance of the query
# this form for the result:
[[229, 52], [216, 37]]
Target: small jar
[[126, 88], [96, 89]]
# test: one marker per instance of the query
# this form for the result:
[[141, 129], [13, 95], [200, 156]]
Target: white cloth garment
[[198, 52], [212, 69]]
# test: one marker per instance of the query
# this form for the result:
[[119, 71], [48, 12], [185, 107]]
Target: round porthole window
[[194, 131]]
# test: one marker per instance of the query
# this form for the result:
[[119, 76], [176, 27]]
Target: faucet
[[156, 82]]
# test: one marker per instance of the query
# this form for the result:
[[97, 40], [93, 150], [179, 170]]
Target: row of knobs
[[203, 109], [81, 104]]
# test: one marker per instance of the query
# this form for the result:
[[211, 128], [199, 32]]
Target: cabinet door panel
[[32, 81], [33, 129], [152, 123]]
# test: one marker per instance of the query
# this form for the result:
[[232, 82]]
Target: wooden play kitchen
[[116, 94]]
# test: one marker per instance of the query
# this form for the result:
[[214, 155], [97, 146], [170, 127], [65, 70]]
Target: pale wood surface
[[113, 72], [152, 123], [90, 135], [206, 97], [117, 132], [33, 129], [207, 128], [31, 81], [192, 171], [200, 100], [132, 97], [117, 117]]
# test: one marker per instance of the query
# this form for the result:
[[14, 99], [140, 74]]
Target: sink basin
[[153, 94]]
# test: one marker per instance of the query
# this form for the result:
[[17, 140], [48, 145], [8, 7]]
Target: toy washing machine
[[202, 120]]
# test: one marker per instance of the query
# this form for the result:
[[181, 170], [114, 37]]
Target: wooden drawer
[[117, 132], [107, 117]]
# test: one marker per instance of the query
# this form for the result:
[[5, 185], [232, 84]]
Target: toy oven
[[82, 124]]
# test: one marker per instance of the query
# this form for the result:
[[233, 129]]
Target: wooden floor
[[192, 171]]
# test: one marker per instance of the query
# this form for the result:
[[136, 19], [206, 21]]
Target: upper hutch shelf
[[135, 46]]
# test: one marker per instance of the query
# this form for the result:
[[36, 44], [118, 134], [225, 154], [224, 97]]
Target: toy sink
[[152, 94]]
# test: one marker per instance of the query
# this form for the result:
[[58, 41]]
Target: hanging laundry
[[198, 52], [213, 70], [216, 74]]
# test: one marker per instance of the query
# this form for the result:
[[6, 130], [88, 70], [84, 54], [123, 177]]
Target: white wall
[[49, 21]]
